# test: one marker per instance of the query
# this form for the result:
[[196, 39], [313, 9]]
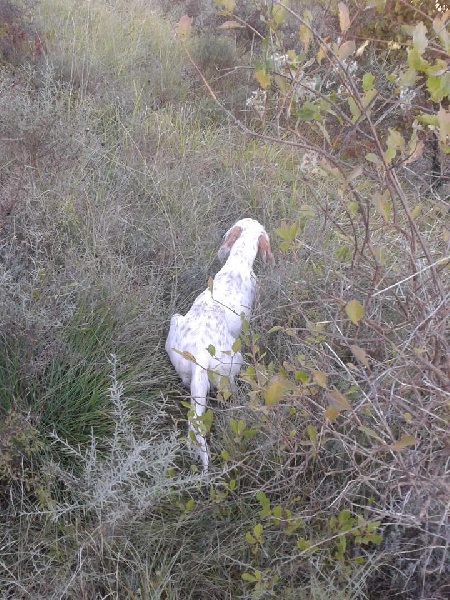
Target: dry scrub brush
[[330, 467]]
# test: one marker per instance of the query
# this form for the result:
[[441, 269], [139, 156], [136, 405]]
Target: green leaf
[[303, 544], [416, 62], [274, 328], [301, 377], [355, 311], [367, 81], [420, 41], [308, 111], [257, 532], [236, 345], [373, 158], [438, 87], [428, 120], [265, 505], [249, 577], [250, 539], [408, 78], [211, 349], [288, 232]]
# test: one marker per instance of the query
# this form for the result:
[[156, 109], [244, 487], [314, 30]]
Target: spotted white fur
[[215, 319]]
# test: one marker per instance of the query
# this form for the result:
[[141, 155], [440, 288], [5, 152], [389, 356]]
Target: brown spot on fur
[[229, 240], [264, 249]]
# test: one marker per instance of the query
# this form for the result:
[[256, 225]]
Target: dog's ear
[[228, 240], [264, 249]]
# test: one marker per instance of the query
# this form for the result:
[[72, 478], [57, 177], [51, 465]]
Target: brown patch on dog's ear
[[230, 237], [264, 249]]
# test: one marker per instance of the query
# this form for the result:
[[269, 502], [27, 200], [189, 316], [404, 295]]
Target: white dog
[[215, 319]]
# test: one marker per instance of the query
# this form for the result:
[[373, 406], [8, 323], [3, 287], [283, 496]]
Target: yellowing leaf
[[395, 142], [360, 354], [416, 211], [321, 53], [312, 432], [368, 97], [440, 28], [184, 26], [415, 151], [320, 378], [361, 49], [355, 311], [443, 117], [354, 109], [278, 14], [338, 401], [372, 158], [188, 356], [331, 413], [305, 33], [403, 442], [370, 433], [344, 17], [262, 77], [382, 204], [231, 25], [275, 392], [345, 50]]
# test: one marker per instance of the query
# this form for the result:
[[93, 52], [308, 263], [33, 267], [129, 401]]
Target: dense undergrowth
[[119, 174]]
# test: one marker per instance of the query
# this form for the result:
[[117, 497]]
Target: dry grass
[[118, 181]]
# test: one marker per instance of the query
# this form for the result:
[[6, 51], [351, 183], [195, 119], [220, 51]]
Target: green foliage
[[20, 444]]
